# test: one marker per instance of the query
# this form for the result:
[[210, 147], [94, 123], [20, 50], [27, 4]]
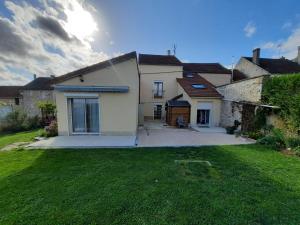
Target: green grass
[[26, 136], [245, 185]]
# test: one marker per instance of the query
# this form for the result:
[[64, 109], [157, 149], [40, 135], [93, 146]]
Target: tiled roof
[[178, 103], [278, 66], [205, 68], [40, 83], [208, 91], [238, 75], [10, 91], [170, 60], [95, 67]]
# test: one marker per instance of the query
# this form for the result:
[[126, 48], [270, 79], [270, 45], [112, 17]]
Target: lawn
[[26, 136], [245, 185]]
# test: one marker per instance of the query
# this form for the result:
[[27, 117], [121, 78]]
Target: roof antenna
[[174, 49]]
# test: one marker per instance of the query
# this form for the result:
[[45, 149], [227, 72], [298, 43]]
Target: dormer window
[[198, 86], [190, 75]]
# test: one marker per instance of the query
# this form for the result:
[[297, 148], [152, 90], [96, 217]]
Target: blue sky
[[203, 31]]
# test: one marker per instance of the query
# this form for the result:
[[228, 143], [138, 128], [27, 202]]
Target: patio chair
[[180, 122]]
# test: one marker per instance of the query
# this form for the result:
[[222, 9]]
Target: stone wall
[[248, 90], [235, 94], [32, 98], [230, 112]]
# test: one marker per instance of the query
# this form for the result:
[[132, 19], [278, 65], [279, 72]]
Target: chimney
[[169, 52], [34, 76], [256, 56], [298, 57]]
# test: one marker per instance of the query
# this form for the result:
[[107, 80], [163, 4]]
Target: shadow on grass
[[125, 186]]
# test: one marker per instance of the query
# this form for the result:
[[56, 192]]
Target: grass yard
[[245, 185], [26, 136]]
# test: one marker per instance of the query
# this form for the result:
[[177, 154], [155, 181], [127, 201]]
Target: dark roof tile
[[205, 68], [40, 83], [10, 91], [170, 60], [277, 66]]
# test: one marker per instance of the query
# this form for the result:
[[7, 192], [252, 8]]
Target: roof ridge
[[96, 66]]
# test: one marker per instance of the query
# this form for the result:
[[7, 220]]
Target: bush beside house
[[284, 91]]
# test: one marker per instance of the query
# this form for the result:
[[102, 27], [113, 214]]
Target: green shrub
[[18, 121], [254, 134], [275, 139], [51, 130], [231, 129], [293, 142], [284, 91]]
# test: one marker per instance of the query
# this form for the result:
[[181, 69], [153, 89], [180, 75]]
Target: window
[[158, 89], [85, 115], [198, 86]]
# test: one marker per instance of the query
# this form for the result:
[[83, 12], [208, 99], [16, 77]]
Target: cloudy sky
[[52, 37]]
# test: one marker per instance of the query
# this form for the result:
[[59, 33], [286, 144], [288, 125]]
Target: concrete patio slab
[[173, 137], [85, 142]]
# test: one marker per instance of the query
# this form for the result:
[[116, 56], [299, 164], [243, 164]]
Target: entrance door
[[157, 111], [85, 115], [203, 117]]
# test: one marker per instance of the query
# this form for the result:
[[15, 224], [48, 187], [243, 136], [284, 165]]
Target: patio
[[88, 141]]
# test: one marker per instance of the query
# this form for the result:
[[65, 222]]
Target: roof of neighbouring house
[[10, 91], [178, 103], [170, 60], [277, 66], [205, 68], [208, 89], [238, 75], [40, 83], [96, 66]]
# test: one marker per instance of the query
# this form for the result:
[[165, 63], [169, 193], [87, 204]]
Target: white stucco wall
[[118, 111], [151, 73], [215, 111], [249, 68]]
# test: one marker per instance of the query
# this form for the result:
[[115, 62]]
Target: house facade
[[101, 99]]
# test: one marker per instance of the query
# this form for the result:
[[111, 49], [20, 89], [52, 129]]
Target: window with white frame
[[158, 89]]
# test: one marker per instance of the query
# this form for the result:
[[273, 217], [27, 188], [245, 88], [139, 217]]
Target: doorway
[[84, 113], [157, 111], [203, 116]]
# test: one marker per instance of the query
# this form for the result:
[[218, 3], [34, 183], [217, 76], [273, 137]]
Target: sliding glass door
[[85, 115]]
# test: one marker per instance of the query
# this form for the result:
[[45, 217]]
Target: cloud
[[10, 41], [250, 29], [285, 47], [53, 27], [35, 40], [287, 25]]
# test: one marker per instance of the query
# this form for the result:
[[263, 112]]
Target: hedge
[[284, 91]]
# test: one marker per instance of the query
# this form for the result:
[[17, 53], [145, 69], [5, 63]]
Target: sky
[[53, 37]]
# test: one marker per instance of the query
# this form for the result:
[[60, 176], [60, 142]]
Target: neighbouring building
[[243, 96], [39, 89], [256, 66], [10, 98]]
